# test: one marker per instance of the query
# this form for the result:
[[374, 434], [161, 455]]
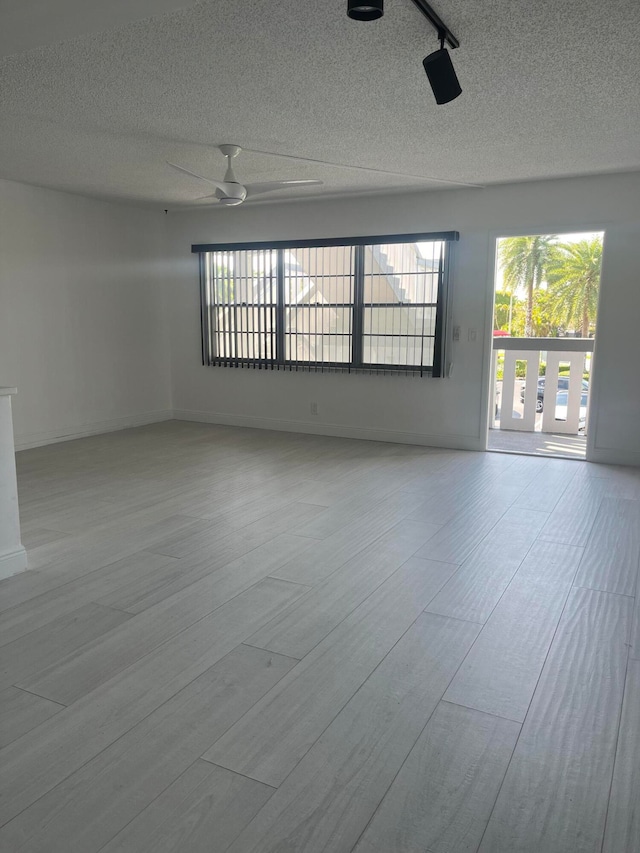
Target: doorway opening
[[544, 327]]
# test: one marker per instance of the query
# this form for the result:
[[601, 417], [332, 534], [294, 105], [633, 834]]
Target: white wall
[[82, 325], [450, 412], [84, 337]]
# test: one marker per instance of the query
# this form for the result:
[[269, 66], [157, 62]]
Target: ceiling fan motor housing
[[235, 193]]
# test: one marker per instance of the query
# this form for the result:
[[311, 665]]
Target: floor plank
[[500, 673], [384, 491], [33, 537], [453, 491], [77, 674], [259, 502], [87, 809], [111, 586], [620, 482], [331, 795], [623, 816], [446, 493], [76, 556], [545, 491], [478, 585], [296, 631], [204, 810], [572, 519], [102, 545], [554, 796], [238, 548], [327, 555], [634, 646], [445, 791], [271, 738], [21, 659], [21, 711], [456, 540], [36, 762], [81, 513], [242, 527], [202, 533], [612, 553]]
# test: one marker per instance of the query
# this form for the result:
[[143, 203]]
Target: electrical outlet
[[456, 333], [313, 407]]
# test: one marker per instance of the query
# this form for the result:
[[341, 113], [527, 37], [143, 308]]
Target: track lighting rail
[[444, 33]]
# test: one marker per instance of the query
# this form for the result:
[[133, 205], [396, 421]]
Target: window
[[361, 304], [239, 306]]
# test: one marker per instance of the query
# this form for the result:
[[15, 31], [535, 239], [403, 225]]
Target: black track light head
[[438, 65], [362, 11], [442, 76]]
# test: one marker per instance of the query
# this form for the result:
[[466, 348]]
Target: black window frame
[[356, 365]]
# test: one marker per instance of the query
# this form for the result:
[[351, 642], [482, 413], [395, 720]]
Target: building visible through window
[[348, 305]]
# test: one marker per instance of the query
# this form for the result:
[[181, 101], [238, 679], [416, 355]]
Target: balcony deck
[[538, 443]]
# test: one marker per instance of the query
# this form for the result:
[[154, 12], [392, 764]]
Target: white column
[[13, 557]]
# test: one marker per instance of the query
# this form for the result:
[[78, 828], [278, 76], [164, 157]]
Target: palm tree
[[524, 262], [574, 281]]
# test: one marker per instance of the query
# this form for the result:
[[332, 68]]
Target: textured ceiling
[[96, 103]]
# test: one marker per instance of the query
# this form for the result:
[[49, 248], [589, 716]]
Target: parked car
[[562, 399], [563, 385]]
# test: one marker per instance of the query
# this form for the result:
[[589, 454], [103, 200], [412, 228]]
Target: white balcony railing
[[544, 409]]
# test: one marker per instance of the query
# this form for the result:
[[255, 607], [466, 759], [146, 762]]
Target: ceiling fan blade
[[272, 186], [364, 168], [216, 195], [221, 185]]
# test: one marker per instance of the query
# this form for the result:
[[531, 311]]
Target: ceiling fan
[[230, 191]]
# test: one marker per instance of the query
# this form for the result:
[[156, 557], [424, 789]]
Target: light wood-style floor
[[235, 640]]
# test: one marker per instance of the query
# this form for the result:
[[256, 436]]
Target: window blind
[[375, 305]]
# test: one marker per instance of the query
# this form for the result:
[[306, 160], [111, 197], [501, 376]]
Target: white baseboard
[[24, 442], [452, 442], [12, 563]]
